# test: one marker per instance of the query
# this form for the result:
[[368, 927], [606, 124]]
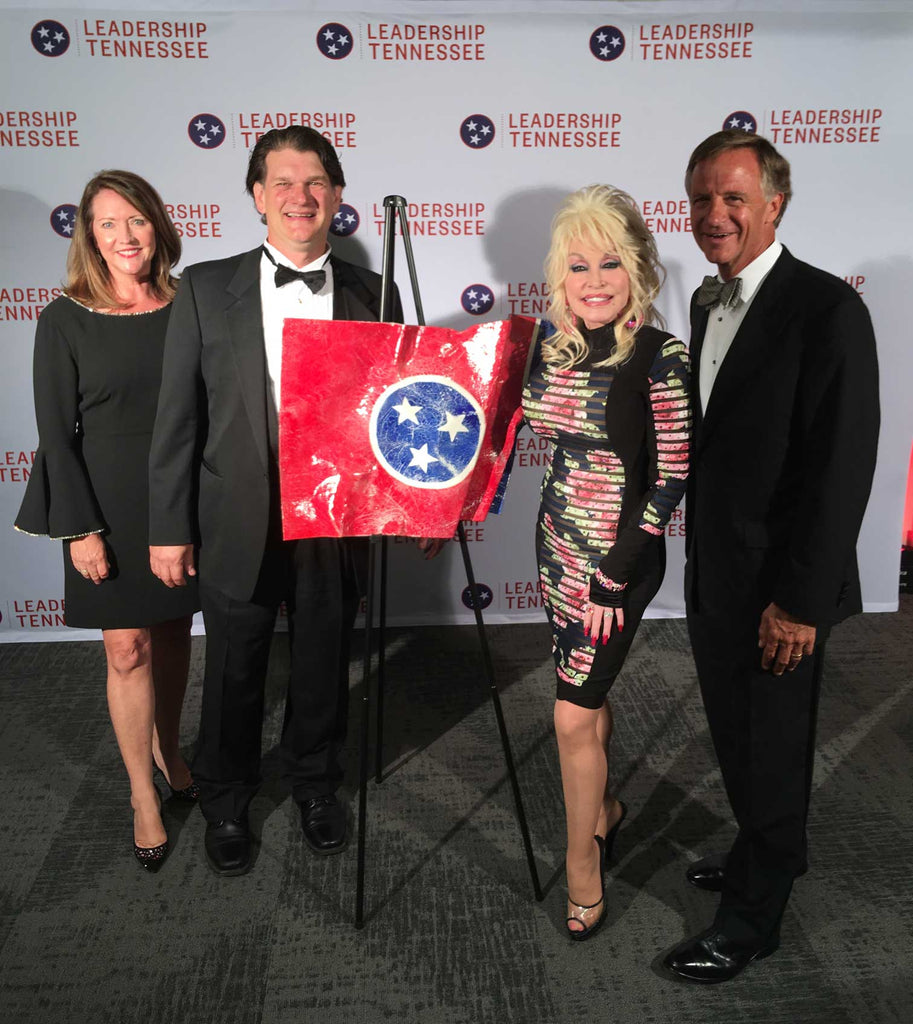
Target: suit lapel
[[244, 315], [352, 300], [753, 342], [699, 316]]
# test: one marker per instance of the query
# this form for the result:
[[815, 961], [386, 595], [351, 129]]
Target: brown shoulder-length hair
[[88, 279], [608, 218]]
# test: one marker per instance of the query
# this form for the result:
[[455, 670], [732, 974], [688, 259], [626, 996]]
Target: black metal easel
[[393, 206]]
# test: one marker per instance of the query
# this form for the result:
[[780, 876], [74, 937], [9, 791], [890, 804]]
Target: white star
[[474, 139], [67, 229], [454, 426], [204, 139], [471, 126], [350, 218], [44, 32], [215, 129], [421, 458], [615, 41], [601, 38], [474, 306], [48, 47], [407, 411], [328, 35], [62, 215], [735, 123], [471, 294], [343, 40], [58, 37], [332, 49], [603, 51], [485, 129], [200, 126], [485, 298], [748, 126]]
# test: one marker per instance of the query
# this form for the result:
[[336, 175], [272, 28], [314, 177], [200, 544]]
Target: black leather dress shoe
[[712, 956], [228, 846], [324, 822], [707, 873]]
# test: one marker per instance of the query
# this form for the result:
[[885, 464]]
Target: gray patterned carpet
[[452, 934]]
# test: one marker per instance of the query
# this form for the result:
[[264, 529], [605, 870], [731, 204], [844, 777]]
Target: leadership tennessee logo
[[742, 120], [477, 131], [346, 221], [334, 41], [50, 38], [63, 219], [607, 43], [426, 431], [206, 131]]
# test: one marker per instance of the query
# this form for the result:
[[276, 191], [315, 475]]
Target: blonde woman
[[611, 392]]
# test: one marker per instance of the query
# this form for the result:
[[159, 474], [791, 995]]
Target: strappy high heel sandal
[[588, 931]]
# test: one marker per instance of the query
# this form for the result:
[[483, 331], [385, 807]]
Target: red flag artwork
[[395, 429]]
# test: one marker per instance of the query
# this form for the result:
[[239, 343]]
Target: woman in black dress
[[98, 356], [611, 393]]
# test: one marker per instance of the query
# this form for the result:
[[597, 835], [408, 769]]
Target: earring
[[631, 324]]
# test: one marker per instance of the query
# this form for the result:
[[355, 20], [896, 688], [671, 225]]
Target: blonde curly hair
[[605, 217]]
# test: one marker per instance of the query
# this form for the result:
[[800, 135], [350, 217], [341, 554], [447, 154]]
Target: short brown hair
[[88, 278], [774, 167], [301, 138]]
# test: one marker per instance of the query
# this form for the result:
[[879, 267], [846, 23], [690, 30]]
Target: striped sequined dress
[[617, 471]]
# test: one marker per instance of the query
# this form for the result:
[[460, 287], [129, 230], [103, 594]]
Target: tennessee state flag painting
[[396, 429]]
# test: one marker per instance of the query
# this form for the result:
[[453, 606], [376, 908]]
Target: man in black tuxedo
[[785, 433], [215, 485]]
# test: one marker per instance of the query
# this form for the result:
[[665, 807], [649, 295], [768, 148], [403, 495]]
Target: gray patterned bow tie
[[714, 291]]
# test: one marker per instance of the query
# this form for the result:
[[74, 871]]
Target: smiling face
[[732, 221], [124, 237], [299, 204], [597, 286]]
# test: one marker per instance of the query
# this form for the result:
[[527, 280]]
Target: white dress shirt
[[723, 324], [292, 300]]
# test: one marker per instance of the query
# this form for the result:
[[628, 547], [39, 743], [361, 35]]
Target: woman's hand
[[89, 557], [598, 622]]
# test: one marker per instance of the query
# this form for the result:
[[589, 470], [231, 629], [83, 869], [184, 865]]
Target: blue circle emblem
[[345, 221], [477, 131], [334, 41], [743, 121], [63, 219], [426, 431], [206, 131], [50, 38], [607, 43]]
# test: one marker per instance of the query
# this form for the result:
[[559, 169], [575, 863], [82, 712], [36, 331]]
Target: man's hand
[[783, 640], [172, 563], [89, 557]]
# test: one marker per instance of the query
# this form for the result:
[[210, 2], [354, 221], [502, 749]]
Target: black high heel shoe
[[152, 857], [588, 931], [613, 832], [188, 795]]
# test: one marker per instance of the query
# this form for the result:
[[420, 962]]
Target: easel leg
[[499, 714]]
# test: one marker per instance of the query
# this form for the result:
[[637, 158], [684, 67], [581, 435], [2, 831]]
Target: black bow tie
[[314, 279], [714, 291]]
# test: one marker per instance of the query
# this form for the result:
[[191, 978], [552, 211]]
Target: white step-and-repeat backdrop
[[482, 115]]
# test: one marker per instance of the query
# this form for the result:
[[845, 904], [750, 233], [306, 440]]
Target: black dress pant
[[316, 579], [763, 730]]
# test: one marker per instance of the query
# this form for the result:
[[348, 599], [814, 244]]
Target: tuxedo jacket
[[212, 472], [783, 457]]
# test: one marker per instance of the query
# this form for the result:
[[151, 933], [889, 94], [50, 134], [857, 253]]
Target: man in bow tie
[[215, 490], [785, 433]]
